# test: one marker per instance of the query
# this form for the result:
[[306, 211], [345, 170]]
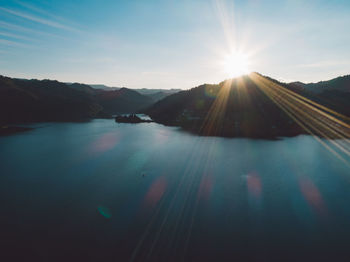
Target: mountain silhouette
[[253, 106], [46, 100], [122, 101], [334, 93], [23, 101], [157, 94], [250, 106]]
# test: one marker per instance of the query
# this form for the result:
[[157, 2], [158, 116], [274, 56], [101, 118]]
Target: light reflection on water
[[148, 192]]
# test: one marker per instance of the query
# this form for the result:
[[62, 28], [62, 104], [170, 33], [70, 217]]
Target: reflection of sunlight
[[174, 217], [155, 192], [205, 187], [312, 195], [104, 143], [254, 184]]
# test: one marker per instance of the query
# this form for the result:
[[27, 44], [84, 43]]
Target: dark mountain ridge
[[154, 94], [143, 91], [33, 100], [45, 100], [334, 93], [249, 106], [122, 101], [341, 83]]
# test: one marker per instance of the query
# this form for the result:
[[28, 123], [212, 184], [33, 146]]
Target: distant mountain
[[46, 100], [117, 101], [166, 92], [104, 87], [158, 96], [155, 94], [250, 106], [82, 87], [123, 100]]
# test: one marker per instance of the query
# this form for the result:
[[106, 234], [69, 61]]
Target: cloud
[[156, 74], [43, 12], [329, 63], [16, 36], [12, 43], [22, 29], [85, 60], [40, 20]]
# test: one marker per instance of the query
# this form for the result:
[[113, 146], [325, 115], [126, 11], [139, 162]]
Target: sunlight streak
[[215, 116], [315, 119]]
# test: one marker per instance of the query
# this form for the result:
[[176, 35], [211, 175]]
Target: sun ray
[[315, 119], [215, 116]]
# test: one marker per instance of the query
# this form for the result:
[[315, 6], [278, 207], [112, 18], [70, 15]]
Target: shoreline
[[6, 130]]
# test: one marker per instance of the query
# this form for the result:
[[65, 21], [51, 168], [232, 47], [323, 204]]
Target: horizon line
[[122, 86]]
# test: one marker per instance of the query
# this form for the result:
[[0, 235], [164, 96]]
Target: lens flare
[[236, 64]]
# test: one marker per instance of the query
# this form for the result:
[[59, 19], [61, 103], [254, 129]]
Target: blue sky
[[172, 44]]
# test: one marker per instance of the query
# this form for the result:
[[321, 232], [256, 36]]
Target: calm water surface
[[101, 191]]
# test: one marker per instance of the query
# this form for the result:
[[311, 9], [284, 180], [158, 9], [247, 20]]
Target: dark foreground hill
[[45, 100], [34, 100], [251, 106]]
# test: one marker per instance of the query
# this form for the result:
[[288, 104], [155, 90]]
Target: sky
[[172, 43]]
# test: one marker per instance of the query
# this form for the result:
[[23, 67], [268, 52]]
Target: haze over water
[[105, 191]]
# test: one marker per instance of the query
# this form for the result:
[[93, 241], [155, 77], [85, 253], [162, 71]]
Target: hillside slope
[[122, 101], [46, 100], [250, 106], [334, 93], [34, 100]]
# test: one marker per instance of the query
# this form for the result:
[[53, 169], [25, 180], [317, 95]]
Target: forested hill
[[46, 100], [249, 106]]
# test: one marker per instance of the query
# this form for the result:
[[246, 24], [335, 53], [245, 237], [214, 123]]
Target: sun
[[236, 64]]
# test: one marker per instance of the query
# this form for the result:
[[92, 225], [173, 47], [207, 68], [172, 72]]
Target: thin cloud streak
[[325, 64], [16, 36], [39, 20], [43, 12], [38, 10], [12, 43], [22, 29]]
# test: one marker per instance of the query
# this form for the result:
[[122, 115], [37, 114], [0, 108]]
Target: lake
[[103, 191]]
